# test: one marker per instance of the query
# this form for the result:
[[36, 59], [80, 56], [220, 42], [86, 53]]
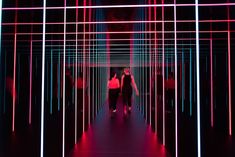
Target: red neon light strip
[[229, 73], [116, 22], [30, 83], [211, 73], [124, 32], [150, 68], [84, 61], [14, 74], [121, 6], [76, 77], [163, 74], [123, 40], [89, 89], [155, 69]]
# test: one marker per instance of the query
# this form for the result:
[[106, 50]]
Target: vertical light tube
[[229, 73], [1, 50], [30, 81], [150, 68], [176, 81], [51, 89], [84, 64], [59, 83], [163, 73], [76, 77], [145, 66], [198, 81], [211, 81], [183, 80], [43, 77], [14, 73], [64, 60], [190, 83], [155, 69], [89, 87]]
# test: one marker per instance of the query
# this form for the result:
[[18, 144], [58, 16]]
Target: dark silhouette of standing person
[[170, 86], [80, 85], [68, 87], [127, 82], [114, 88]]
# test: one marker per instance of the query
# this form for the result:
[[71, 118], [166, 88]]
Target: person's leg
[[115, 100], [129, 102], [124, 98]]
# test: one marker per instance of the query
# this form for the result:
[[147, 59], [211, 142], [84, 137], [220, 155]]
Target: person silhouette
[[127, 82], [114, 88]]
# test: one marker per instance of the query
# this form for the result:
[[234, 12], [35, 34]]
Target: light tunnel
[[56, 58]]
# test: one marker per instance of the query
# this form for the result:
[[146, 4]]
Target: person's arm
[[122, 82], [134, 85]]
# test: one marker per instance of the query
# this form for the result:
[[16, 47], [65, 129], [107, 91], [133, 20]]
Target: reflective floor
[[119, 136]]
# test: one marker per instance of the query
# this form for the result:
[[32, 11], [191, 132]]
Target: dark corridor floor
[[119, 137]]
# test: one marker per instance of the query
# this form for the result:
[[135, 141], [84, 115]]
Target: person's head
[[126, 70], [113, 74]]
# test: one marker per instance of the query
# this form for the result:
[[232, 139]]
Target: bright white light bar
[[43, 79], [122, 6], [198, 81], [176, 84], [64, 60]]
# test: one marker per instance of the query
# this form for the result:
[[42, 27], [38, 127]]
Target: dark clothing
[[127, 90], [159, 84], [80, 99], [113, 96]]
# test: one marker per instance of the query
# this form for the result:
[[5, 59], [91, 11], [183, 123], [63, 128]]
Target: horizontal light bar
[[116, 32], [114, 22], [121, 6], [73, 40]]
